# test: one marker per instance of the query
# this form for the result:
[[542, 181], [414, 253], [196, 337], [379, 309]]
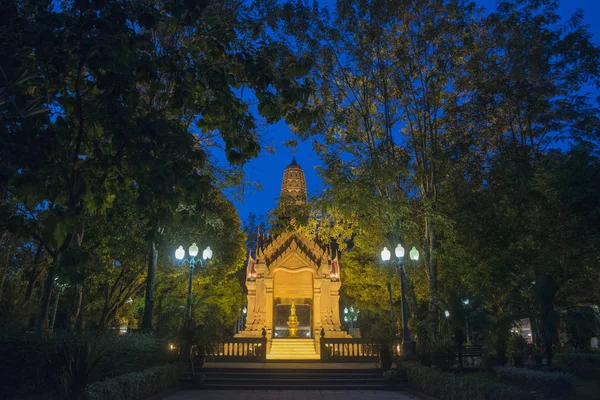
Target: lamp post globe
[[180, 253], [399, 251], [193, 250], [207, 253], [385, 254], [414, 254]]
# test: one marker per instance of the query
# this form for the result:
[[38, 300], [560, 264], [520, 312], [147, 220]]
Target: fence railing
[[348, 350], [238, 349]]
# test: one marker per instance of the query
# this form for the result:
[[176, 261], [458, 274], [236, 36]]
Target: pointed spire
[[293, 184]]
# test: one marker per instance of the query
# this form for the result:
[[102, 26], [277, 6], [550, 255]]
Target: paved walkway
[[287, 395]]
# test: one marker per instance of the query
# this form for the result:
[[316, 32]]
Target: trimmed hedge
[[549, 383], [582, 365], [136, 385], [32, 365], [447, 386]]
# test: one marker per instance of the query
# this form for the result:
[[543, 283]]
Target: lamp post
[[466, 303], [407, 343], [351, 315], [60, 288], [180, 255]]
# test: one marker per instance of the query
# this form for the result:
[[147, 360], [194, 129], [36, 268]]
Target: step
[[269, 380], [240, 378], [293, 349], [314, 375], [233, 386], [292, 357]]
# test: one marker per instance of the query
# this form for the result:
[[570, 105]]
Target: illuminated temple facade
[[293, 271]]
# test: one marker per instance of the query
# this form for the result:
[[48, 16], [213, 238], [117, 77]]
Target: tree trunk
[[433, 284], [5, 269], [547, 287], [81, 320], [76, 306], [34, 275], [42, 318], [149, 306]]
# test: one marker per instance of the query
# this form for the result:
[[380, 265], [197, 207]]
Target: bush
[[517, 344], [582, 365], [439, 353], [25, 366], [136, 385], [490, 361], [77, 363], [67, 362], [447, 386], [549, 383]]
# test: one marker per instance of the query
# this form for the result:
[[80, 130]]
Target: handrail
[[238, 349], [348, 350]]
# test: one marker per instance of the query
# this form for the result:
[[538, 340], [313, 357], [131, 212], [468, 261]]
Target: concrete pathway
[[287, 395]]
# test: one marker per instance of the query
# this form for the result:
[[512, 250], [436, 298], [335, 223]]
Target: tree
[[252, 226], [137, 91], [389, 90]]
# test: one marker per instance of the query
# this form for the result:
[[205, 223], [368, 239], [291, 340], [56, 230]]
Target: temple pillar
[[269, 311]]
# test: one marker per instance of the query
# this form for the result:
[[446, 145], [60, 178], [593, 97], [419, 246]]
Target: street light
[[60, 288], [180, 255], [407, 343], [466, 303]]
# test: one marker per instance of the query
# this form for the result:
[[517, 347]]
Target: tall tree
[[389, 90], [130, 86]]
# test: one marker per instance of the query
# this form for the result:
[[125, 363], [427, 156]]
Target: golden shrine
[[293, 287]]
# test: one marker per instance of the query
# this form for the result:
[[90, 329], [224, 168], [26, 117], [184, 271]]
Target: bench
[[469, 352]]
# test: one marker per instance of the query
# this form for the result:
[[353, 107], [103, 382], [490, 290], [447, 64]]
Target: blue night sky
[[268, 168]]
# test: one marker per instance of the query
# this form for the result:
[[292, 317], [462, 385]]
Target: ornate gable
[[292, 242]]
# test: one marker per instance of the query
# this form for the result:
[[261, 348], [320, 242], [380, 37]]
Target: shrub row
[[44, 365], [136, 385], [549, 383], [582, 365], [447, 386]]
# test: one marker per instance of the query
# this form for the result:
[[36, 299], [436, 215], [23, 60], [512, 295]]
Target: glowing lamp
[[180, 253], [414, 254], [207, 253], [399, 251], [193, 250], [385, 254], [447, 313]]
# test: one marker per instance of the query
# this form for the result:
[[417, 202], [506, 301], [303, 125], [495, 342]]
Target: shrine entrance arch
[[297, 286]]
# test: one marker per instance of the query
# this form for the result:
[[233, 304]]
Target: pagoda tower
[[293, 184]]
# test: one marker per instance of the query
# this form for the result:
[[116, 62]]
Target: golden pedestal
[[293, 322]]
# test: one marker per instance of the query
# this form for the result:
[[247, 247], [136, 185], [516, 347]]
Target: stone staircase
[[293, 349], [293, 379]]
